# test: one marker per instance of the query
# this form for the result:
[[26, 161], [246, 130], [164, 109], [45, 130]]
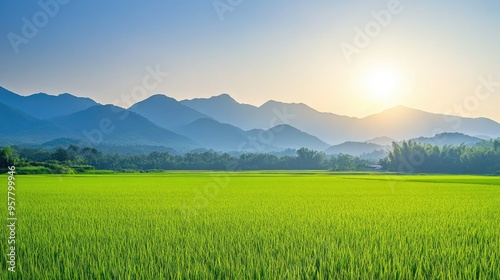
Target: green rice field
[[254, 225]]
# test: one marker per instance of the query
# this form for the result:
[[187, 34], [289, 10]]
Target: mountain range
[[44, 106], [108, 124], [18, 127], [453, 139], [399, 122], [166, 112], [223, 124]]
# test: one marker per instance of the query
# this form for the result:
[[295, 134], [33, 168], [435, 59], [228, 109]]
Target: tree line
[[405, 157], [74, 159], [413, 157]]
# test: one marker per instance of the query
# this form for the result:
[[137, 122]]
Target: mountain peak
[[269, 103], [160, 97], [399, 108], [44, 106], [224, 96], [166, 112], [155, 102], [69, 95], [284, 126], [381, 140], [273, 103], [396, 112], [216, 98]]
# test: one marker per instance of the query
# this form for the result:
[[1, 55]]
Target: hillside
[[166, 112], [20, 128], [44, 106], [108, 124]]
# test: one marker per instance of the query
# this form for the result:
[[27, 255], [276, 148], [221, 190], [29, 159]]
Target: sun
[[382, 83]]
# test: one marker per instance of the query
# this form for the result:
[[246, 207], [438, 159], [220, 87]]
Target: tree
[[60, 155], [483, 158], [91, 155], [7, 157], [310, 159], [344, 163]]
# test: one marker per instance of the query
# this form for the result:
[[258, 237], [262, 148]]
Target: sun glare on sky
[[428, 56], [382, 83]]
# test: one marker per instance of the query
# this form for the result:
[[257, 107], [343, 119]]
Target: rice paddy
[[255, 225]]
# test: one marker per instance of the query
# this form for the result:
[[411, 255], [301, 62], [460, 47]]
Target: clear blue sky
[[431, 53]]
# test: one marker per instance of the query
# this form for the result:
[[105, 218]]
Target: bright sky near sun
[[348, 57]]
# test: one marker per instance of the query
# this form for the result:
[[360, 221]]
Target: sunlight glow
[[382, 83]]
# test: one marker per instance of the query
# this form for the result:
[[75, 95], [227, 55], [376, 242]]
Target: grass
[[255, 225]]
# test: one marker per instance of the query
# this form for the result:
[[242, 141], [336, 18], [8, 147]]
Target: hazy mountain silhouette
[[405, 123], [166, 112], [225, 137], [360, 148], [326, 126], [287, 137], [108, 124], [44, 106], [214, 135], [354, 148], [225, 109], [222, 123], [455, 139], [64, 142], [398, 123], [382, 141], [17, 127]]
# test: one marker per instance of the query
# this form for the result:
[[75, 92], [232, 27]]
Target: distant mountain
[[17, 127], [44, 106], [354, 148], [225, 137], [382, 141], [397, 123], [225, 109], [221, 123], [166, 112], [406, 123], [287, 137], [326, 126], [63, 142], [453, 139], [214, 135], [111, 125]]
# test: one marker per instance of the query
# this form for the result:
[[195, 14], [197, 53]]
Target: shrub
[[33, 170], [83, 168]]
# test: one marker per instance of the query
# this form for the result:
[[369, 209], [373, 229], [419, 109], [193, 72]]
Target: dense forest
[[74, 159], [412, 157], [407, 157]]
